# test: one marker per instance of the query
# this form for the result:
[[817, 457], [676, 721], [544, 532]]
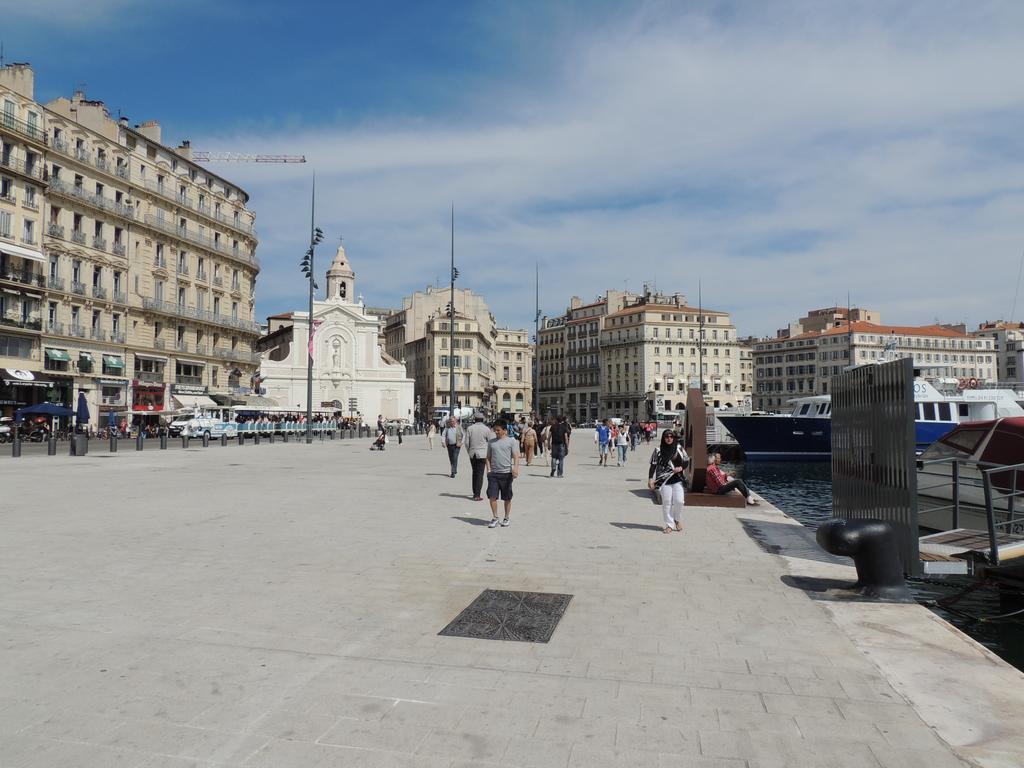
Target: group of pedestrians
[[495, 454]]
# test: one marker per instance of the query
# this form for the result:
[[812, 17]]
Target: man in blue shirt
[[602, 436]]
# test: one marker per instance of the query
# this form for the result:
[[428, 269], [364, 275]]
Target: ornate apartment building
[[803, 363], [493, 366], [651, 354], [1008, 346], [134, 266]]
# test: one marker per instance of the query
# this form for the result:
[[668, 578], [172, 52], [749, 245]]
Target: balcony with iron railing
[[196, 381], [118, 249], [122, 171], [77, 330], [81, 153], [17, 320], [117, 337], [238, 355], [78, 236], [28, 239], [103, 164], [55, 230], [201, 275], [60, 144], [23, 275], [120, 297], [181, 346], [218, 281], [181, 310], [151, 377], [55, 328], [159, 344], [99, 292], [99, 243], [183, 232], [201, 349], [102, 202], [30, 203], [11, 124], [77, 287], [11, 163], [183, 269], [55, 283], [98, 334]]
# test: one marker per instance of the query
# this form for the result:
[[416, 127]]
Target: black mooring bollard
[[113, 443], [51, 446], [163, 441], [286, 437], [206, 439], [241, 438], [16, 447], [257, 438], [224, 439], [184, 441], [271, 438], [139, 442], [873, 546]]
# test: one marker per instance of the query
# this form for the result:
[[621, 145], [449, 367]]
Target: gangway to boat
[[958, 549]]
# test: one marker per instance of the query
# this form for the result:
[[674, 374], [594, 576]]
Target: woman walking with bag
[[529, 443], [667, 464]]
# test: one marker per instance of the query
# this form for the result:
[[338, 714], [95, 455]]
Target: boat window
[[929, 411], [917, 410], [821, 409], [804, 409], [944, 412], [963, 409], [965, 440]]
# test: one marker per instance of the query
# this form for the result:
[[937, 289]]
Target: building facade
[[420, 333], [351, 373], [513, 368], [803, 364], [147, 268], [651, 353], [551, 367], [1008, 346]]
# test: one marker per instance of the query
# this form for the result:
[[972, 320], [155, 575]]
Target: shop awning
[[17, 250], [19, 378], [113, 361], [191, 402], [59, 355]]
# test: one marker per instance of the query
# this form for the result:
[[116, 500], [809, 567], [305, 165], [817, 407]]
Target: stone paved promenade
[[278, 607]]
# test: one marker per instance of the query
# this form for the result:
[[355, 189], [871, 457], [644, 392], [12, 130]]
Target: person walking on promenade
[[666, 474], [539, 431], [602, 438], [452, 439], [720, 483], [380, 423], [621, 444], [558, 445], [545, 435], [529, 443], [477, 437], [502, 469], [431, 431]]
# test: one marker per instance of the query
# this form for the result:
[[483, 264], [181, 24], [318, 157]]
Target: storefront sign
[[17, 377], [147, 397], [113, 382], [188, 389]]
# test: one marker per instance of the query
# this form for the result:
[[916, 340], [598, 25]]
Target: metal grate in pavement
[[496, 614]]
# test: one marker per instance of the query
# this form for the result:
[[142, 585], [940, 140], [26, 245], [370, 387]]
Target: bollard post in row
[[184, 441], [286, 437], [224, 439], [257, 438], [271, 438], [163, 441], [206, 439], [241, 438], [113, 443], [51, 446], [139, 441], [16, 446]]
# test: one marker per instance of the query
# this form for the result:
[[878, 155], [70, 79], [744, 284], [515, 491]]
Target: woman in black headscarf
[[666, 474]]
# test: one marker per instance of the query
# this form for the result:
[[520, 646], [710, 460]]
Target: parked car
[[176, 426], [6, 429]]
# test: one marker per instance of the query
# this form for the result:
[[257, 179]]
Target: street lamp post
[[315, 236], [451, 326]]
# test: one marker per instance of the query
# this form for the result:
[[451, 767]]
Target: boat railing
[[986, 471]]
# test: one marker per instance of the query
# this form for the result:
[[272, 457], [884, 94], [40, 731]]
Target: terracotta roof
[[666, 308], [863, 326], [282, 316]]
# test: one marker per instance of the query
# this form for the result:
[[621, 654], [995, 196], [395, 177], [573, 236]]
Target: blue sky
[[783, 154]]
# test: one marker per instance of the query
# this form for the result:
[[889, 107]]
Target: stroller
[[380, 442]]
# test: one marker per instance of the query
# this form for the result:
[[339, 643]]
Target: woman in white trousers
[[666, 473]]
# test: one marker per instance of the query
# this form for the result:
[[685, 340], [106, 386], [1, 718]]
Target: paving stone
[[376, 734]]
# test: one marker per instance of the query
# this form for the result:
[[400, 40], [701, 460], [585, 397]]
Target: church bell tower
[[341, 280]]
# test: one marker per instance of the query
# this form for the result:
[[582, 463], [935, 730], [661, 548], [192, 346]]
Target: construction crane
[[240, 157]]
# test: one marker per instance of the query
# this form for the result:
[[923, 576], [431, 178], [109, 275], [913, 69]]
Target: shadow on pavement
[[456, 495], [471, 520], [637, 526], [644, 493], [438, 474]]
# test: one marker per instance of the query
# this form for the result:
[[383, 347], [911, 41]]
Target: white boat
[[987, 459]]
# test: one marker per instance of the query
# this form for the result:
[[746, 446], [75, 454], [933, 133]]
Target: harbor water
[[804, 492]]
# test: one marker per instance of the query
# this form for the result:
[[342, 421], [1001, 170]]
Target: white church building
[[350, 370]]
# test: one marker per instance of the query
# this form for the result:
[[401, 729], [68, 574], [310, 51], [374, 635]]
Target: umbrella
[[47, 409], [82, 412]]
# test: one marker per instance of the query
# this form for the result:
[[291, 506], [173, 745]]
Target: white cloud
[[784, 160]]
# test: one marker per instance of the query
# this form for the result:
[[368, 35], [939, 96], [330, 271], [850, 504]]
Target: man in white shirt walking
[[477, 437], [452, 439]]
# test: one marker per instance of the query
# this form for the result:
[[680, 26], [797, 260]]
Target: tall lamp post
[[315, 237], [451, 326], [536, 344]]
